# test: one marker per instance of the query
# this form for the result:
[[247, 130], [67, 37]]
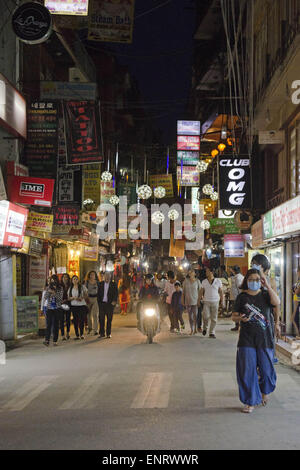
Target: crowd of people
[[254, 304]]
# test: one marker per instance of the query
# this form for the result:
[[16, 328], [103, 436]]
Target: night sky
[[166, 35]]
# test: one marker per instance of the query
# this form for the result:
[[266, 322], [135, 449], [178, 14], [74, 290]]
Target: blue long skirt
[[255, 374]]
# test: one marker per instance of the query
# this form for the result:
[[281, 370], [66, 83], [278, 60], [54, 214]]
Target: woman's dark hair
[[54, 279], [69, 280], [262, 260], [72, 285], [89, 275], [244, 285], [236, 269], [171, 275]]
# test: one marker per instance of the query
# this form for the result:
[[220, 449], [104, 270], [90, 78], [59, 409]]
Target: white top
[[75, 293], [169, 290], [236, 282], [211, 293], [106, 287], [160, 284]]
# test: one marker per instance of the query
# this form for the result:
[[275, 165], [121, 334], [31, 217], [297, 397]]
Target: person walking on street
[[169, 290], [235, 289], [212, 294], [53, 298], [201, 276], [107, 300], [262, 264], [256, 375], [177, 308], [296, 299], [77, 296], [191, 298], [92, 285], [65, 315]]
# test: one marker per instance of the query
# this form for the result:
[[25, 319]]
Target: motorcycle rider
[[148, 292]]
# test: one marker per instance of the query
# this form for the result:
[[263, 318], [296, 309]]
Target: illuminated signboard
[[188, 142], [188, 127], [67, 7]]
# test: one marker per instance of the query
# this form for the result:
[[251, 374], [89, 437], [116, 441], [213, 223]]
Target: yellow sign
[[166, 181], [39, 222], [91, 183]]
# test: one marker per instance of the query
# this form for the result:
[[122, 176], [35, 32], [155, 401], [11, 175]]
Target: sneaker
[[204, 332], [96, 332], [81, 337], [64, 338], [77, 337], [46, 343], [68, 336], [212, 335], [101, 336], [199, 330], [108, 336]]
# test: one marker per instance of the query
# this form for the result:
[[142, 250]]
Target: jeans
[[105, 310], [79, 316], [199, 316], [52, 322]]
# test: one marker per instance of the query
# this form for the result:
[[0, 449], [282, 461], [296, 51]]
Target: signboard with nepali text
[[83, 132], [166, 181], [187, 158], [282, 220], [39, 222], [188, 142], [111, 20], [12, 224], [188, 127], [188, 176]]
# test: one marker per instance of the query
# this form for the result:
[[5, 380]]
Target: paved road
[[121, 393]]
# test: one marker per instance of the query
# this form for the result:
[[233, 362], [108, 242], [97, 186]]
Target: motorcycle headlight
[[149, 312]]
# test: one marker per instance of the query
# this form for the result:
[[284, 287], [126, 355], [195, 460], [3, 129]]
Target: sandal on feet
[[264, 400], [248, 409]]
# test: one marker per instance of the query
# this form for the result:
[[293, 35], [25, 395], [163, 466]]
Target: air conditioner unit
[[75, 75]]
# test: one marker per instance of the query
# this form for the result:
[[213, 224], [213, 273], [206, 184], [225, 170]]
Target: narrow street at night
[[121, 393]]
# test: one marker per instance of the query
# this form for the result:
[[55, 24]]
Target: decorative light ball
[[214, 196], [221, 147], [106, 176], [208, 189], [144, 191], [205, 224], [87, 202], [201, 166], [214, 153], [157, 217], [159, 192], [114, 200], [173, 214]]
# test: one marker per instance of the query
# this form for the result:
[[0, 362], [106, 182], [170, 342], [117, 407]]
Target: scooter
[[148, 319]]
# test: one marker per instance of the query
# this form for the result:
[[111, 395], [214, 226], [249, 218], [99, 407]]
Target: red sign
[[13, 220], [16, 169], [29, 190], [66, 215], [188, 142]]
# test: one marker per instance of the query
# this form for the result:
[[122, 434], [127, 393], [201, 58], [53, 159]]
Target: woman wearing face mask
[[253, 309]]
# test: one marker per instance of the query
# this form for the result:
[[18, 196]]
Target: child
[[124, 300], [177, 307]]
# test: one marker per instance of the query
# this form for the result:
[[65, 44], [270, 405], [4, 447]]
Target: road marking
[[84, 396], [220, 390], [154, 391], [29, 392], [287, 392]]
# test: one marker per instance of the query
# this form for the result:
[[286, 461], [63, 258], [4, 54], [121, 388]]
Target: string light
[[106, 176], [114, 200], [173, 214], [214, 196], [205, 224], [157, 217], [144, 192], [159, 192], [208, 189], [201, 166]]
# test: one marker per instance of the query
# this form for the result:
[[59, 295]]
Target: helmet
[[149, 276]]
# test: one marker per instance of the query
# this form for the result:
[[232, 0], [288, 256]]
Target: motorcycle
[[149, 320]]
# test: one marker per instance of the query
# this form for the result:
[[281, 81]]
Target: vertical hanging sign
[[234, 183], [83, 132]]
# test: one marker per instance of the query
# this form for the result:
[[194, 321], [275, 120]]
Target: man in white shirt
[[211, 293], [169, 290]]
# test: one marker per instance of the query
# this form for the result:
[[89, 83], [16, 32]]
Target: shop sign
[[83, 132], [37, 274], [166, 181], [186, 142], [68, 7], [282, 220], [107, 190], [27, 314], [3, 194], [66, 215], [188, 127], [67, 90], [12, 224], [25, 248], [271, 137], [257, 234], [187, 158], [188, 176], [234, 246], [82, 235], [234, 183], [65, 185], [91, 183], [36, 247], [39, 222], [243, 219], [12, 108], [111, 21], [29, 190], [223, 226], [90, 253], [128, 190], [32, 23], [42, 138]]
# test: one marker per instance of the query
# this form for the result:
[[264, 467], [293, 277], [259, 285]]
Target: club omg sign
[[234, 183]]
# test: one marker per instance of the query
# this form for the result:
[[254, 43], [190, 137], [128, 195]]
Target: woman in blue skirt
[[256, 375]]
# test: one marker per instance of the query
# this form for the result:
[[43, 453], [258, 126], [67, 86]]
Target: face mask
[[254, 285], [256, 266]]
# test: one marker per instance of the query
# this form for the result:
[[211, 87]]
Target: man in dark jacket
[[107, 299]]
